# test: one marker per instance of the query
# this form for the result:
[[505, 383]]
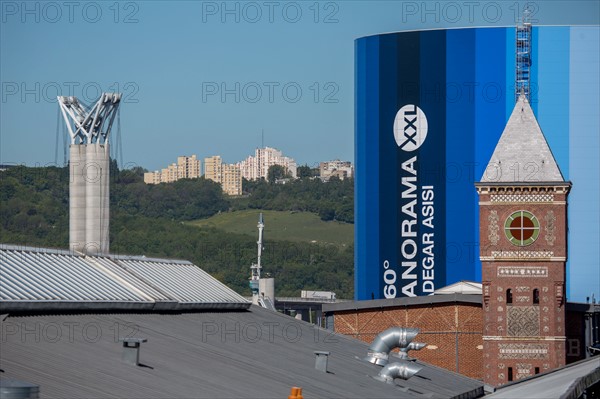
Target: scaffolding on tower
[[523, 58]]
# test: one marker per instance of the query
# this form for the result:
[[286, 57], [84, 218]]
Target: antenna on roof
[[256, 267], [523, 57]]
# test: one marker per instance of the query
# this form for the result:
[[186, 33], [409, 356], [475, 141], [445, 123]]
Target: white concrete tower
[[89, 166]]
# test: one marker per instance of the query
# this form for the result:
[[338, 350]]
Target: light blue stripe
[[553, 91], [584, 164]]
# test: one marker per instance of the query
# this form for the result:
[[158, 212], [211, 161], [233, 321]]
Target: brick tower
[[523, 250]]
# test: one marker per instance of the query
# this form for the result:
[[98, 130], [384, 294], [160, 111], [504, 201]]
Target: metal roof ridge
[[143, 279], [28, 248], [118, 279], [144, 258], [109, 282], [59, 251]]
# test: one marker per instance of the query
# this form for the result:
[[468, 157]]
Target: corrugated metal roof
[[242, 354], [36, 275], [42, 279], [121, 274], [183, 282]]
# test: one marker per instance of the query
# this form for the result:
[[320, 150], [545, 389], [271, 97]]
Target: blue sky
[[204, 77]]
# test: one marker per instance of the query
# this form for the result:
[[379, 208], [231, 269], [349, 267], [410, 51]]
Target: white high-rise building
[[257, 166]]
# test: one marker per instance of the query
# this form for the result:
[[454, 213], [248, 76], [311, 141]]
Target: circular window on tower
[[522, 228]]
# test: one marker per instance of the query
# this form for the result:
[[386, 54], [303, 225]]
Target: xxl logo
[[410, 127]]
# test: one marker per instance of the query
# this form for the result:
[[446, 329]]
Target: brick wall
[[452, 331]]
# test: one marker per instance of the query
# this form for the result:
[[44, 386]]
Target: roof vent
[[403, 370], [15, 389], [321, 361], [131, 350], [395, 337]]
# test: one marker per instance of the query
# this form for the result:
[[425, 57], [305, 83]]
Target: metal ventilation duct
[[416, 346], [403, 370], [321, 361], [395, 337], [131, 350]]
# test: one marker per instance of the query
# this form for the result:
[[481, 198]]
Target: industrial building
[[129, 326], [451, 322], [430, 108], [121, 326]]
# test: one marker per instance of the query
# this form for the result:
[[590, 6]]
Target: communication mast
[[523, 58], [256, 267]]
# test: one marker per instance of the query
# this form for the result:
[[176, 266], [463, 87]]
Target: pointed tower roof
[[522, 155]]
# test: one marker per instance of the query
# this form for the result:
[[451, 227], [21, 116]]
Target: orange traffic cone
[[296, 393]]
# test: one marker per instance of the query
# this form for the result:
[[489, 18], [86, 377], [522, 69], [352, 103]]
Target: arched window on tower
[[508, 296], [536, 296]]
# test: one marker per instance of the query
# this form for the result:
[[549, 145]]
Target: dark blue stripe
[[461, 206], [367, 168]]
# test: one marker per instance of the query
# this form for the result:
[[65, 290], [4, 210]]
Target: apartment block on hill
[[185, 168], [227, 175], [337, 168], [257, 166]]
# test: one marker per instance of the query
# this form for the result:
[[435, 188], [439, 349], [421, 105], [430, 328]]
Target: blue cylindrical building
[[430, 108]]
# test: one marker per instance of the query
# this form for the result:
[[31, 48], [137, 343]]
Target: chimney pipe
[[416, 346], [321, 360], [131, 350], [395, 337], [403, 370]]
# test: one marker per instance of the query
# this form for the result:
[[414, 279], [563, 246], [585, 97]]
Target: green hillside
[[158, 221], [283, 225]]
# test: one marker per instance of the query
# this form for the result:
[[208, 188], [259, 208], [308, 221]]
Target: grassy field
[[290, 226]]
